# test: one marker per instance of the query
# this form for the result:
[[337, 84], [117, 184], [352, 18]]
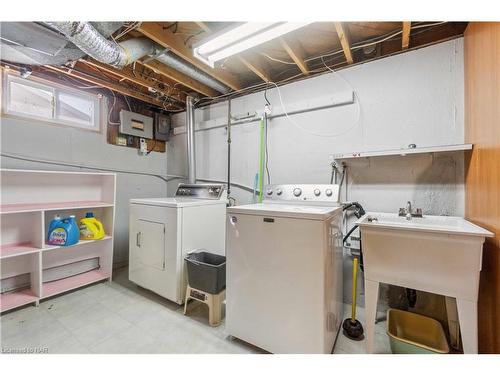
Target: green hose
[[262, 157]]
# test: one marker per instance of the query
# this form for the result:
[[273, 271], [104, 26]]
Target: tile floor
[[120, 317]]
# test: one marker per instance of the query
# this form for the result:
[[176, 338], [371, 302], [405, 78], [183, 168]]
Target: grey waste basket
[[206, 271]]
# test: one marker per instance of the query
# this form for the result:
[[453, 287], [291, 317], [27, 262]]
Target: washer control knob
[[328, 192], [317, 192], [269, 192], [279, 191], [297, 192]]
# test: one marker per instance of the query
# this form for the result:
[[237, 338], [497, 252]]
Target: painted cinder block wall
[[39, 140], [414, 97]]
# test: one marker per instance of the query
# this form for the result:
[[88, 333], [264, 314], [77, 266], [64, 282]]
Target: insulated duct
[[89, 40], [94, 44], [191, 156]]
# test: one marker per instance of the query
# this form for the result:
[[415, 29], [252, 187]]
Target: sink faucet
[[407, 212]]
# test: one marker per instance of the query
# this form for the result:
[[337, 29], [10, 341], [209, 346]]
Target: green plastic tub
[[411, 333]]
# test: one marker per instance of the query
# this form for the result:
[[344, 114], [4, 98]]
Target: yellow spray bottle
[[91, 228]]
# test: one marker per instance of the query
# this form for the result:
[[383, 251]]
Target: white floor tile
[[120, 317]]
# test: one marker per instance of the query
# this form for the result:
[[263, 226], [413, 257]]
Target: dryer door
[[154, 260], [150, 239]]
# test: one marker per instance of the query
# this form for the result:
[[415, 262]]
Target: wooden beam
[[127, 74], [203, 26], [254, 67], [406, 34], [105, 84], [179, 77], [296, 52], [175, 43], [344, 41]]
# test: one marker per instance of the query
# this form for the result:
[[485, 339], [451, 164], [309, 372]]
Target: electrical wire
[[166, 178], [328, 135], [277, 60]]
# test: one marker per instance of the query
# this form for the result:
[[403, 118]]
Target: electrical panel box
[[136, 124], [162, 124]]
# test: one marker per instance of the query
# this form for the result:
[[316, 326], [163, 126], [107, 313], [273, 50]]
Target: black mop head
[[353, 329]]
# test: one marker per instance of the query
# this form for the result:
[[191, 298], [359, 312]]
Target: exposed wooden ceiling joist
[[127, 74], [168, 39], [344, 41], [406, 35], [296, 53], [254, 67], [179, 77], [203, 26], [105, 84]]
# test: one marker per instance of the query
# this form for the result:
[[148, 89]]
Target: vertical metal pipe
[[191, 155], [228, 147]]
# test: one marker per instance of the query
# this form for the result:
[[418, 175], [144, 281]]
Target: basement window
[[35, 99]]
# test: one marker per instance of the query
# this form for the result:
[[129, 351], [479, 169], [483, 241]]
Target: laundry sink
[[437, 254], [431, 224]]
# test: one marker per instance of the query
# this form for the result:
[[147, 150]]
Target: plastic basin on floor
[[411, 333]]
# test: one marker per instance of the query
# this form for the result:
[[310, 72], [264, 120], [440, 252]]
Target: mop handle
[[354, 288]]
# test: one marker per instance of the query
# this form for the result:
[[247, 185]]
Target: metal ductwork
[[177, 63], [30, 43], [191, 155], [89, 40], [94, 44]]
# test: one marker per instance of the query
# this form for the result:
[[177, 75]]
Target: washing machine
[[164, 230], [284, 270]]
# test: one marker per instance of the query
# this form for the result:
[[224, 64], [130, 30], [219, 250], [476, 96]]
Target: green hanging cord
[[262, 157]]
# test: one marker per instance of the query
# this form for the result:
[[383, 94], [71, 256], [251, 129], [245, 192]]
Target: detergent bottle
[[91, 228], [63, 232]]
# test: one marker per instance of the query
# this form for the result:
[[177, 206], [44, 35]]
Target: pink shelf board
[[26, 207], [10, 301], [59, 286], [10, 250]]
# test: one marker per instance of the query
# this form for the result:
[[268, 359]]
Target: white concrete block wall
[[71, 145], [415, 97]]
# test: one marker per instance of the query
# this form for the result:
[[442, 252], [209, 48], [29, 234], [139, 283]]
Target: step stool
[[213, 301]]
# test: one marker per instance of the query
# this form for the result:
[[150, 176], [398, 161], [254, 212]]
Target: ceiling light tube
[[241, 38]]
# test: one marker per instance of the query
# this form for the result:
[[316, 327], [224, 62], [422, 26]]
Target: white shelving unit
[[402, 151], [29, 201]]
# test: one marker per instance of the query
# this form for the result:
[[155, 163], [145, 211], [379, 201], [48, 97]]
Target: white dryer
[[284, 270], [163, 230]]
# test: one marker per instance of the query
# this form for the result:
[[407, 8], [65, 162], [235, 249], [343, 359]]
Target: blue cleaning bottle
[[63, 232]]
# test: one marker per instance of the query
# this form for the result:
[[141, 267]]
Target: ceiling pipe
[[191, 156], [94, 44]]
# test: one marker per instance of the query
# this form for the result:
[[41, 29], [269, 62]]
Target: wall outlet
[[143, 147]]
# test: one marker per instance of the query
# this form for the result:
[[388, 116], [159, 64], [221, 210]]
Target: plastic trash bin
[[411, 333], [206, 271]]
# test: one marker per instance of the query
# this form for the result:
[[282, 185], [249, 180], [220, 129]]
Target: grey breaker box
[[132, 123]]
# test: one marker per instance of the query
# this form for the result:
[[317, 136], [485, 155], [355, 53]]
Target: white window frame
[[11, 76]]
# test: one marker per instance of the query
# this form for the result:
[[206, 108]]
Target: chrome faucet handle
[[402, 211], [418, 213]]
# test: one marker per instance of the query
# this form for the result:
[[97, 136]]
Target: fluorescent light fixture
[[242, 37]]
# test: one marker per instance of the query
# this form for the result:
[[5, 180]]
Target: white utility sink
[[437, 254]]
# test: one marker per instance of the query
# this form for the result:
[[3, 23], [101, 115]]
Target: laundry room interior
[[246, 186]]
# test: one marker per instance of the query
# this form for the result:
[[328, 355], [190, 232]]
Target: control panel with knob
[[328, 193], [200, 191]]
